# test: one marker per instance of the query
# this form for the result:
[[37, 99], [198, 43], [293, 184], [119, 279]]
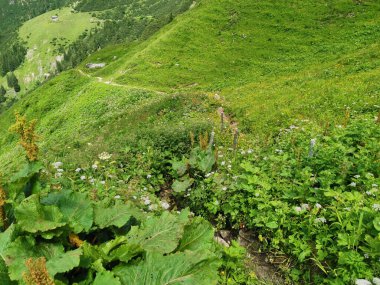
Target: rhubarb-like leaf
[[160, 234], [197, 235], [181, 268], [76, 208], [24, 248], [106, 278], [64, 262], [117, 215], [33, 217]]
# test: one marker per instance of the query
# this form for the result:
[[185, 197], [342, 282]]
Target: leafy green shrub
[[91, 242], [314, 197]]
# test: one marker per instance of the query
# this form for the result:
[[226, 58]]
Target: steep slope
[[45, 39], [271, 63]]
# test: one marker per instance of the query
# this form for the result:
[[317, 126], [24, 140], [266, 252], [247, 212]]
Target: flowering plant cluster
[[311, 196]]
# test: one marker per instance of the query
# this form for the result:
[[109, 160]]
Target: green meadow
[[43, 36], [294, 163]]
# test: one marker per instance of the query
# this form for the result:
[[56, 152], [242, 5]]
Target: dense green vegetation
[[123, 23], [13, 14], [260, 116]]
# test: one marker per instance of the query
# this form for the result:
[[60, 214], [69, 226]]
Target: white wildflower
[[362, 282], [320, 220], [293, 127], [60, 170], [146, 200], [57, 164], [298, 209], [207, 175], [311, 148], [223, 163], [220, 155], [134, 197], [279, 151], [117, 197], [58, 175], [305, 207], [366, 255], [353, 184], [92, 180], [102, 182], [229, 166], [376, 207], [149, 176], [82, 177], [152, 207], [374, 185], [357, 176], [94, 166], [242, 152], [224, 188], [78, 169], [165, 205], [249, 151], [104, 156], [318, 206]]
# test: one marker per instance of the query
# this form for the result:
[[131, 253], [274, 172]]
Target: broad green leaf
[[33, 217], [160, 234], [4, 277], [106, 278], [64, 262], [90, 255], [376, 223], [116, 249], [75, 207], [19, 182], [181, 268], [28, 171], [206, 161], [6, 238], [24, 248], [117, 215], [181, 186], [125, 252], [197, 235], [272, 225], [180, 167]]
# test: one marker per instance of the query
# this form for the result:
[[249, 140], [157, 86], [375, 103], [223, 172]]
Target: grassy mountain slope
[[43, 38], [14, 13], [272, 62]]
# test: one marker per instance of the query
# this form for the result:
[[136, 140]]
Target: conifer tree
[[2, 94]]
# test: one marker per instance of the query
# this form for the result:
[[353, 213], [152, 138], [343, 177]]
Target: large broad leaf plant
[[105, 242]]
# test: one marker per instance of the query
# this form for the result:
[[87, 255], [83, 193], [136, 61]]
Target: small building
[[54, 18], [95, 65]]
